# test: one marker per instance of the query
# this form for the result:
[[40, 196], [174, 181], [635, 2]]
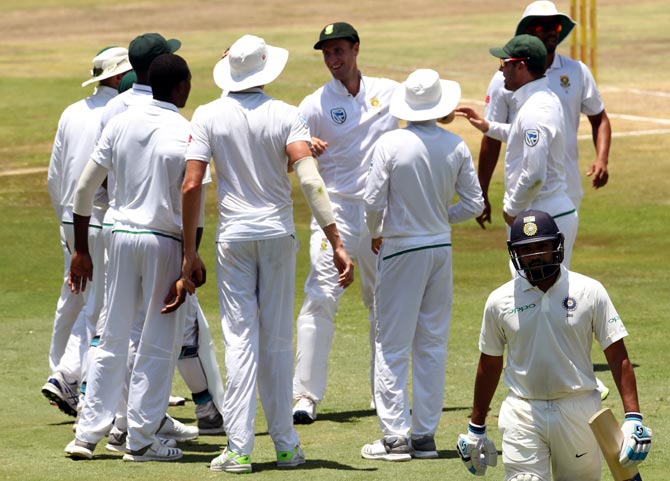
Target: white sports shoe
[[80, 449], [304, 411], [154, 452], [173, 429], [62, 393], [292, 458], [116, 442], [390, 448]]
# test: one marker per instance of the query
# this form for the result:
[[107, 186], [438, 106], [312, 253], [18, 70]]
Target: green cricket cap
[[337, 30], [146, 47], [524, 47]]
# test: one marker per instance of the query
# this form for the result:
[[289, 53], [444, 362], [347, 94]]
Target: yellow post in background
[[584, 42]]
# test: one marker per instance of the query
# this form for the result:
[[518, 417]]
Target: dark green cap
[[337, 30], [127, 81], [145, 48], [524, 47]]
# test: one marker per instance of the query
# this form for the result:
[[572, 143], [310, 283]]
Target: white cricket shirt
[[414, 175], [535, 152], [576, 88], [246, 134], [350, 125], [144, 148], [75, 140], [549, 335]]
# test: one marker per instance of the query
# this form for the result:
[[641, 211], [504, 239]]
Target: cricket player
[[345, 117], [574, 85], [144, 147], [414, 175], [255, 141], [547, 317], [73, 144], [535, 140]]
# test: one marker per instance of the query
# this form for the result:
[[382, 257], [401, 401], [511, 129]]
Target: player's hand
[[376, 244], [81, 270], [477, 451], [344, 266], [192, 271], [636, 440], [474, 118], [318, 146], [599, 173], [509, 219], [176, 297], [485, 215]]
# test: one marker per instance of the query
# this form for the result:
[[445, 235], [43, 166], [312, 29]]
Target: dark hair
[[537, 71], [165, 73]]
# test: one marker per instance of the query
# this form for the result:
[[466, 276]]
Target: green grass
[[45, 50]]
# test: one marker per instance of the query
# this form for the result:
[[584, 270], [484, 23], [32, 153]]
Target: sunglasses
[[504, 61], [547, 27]]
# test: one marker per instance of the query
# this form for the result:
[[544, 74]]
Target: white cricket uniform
[[576, 88], [350, 125], [415, 173], [534, 159], [145, 148], [246, 134], [74, 141], [549, 371]]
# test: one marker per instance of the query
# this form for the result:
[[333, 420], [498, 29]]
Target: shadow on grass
[[355, 416], [602, 367], [311, 464]]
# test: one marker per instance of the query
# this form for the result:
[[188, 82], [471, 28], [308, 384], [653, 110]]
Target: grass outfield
[[45, 52]]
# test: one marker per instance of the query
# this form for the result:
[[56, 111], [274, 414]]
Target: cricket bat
[[609, 436]]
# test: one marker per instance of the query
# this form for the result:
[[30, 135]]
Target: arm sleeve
[[314, 190], [55, 172], [592, 103], [537, 135], [375, 197], [199, 147], [471, 200], [498, 131], [88, 183], [607, 325], [492, 337]]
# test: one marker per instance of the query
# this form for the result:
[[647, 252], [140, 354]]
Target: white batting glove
[[636, 440], [477, 451]]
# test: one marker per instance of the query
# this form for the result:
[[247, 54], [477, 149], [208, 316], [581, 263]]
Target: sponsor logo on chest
[[339, 115]]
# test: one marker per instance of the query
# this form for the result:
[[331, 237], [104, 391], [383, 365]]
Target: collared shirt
[[535, 152], [246, 134], [350, 125], [74, 142], [144, 147], [576, 88], [414, 175], [549, 334]]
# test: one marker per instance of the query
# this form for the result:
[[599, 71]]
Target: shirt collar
[[141, 89], [557, 63], [340, 89], [561, 279], [164, 105], [522, 94]]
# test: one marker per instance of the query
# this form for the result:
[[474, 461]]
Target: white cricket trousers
[[539, 436], [315, 324], [256, 281], [413, 299], [142, 267]]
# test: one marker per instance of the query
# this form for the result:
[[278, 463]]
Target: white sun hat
[[424, 96], [249, 63], [545, 8], [109, 62]]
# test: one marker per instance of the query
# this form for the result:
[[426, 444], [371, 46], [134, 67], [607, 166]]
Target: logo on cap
[[329, 29], [530, 228], [531, 137], [339, 115]]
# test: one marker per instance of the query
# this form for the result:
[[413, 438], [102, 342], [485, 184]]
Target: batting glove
[[636, 440], [477, 451]]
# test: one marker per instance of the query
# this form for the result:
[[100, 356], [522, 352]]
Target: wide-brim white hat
[[424, 96], [111, 61], [545, 8], [250, 63]]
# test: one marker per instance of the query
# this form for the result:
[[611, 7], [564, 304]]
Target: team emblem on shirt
[[339, 115], [569, 304], [375, 103], [565, 81], [324, 244], [531, 137]]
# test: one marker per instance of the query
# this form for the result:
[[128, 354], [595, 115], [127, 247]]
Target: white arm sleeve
[[91, 178], [314, 190]]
